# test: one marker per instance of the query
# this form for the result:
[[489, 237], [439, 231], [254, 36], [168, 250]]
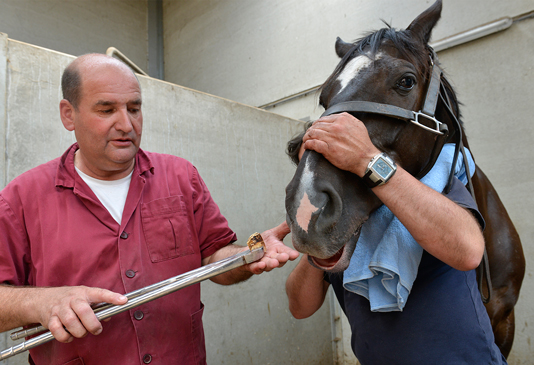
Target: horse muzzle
[[325, 210]]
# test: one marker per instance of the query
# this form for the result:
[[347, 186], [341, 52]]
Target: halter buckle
[[439, 126]]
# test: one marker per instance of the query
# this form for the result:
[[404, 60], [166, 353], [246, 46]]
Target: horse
[[410, 111]]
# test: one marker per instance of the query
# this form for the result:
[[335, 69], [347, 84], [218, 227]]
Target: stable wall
[[77, 27], [239, 152], [257, 52]]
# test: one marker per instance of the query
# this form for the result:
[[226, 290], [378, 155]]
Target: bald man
[[108, 218]]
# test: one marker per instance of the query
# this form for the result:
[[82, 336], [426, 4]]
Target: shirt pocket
[[166, 228], [197, 335]]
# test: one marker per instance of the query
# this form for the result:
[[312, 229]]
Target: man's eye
[[106, 111], [134, 110]]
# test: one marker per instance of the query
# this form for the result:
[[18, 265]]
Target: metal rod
[[114, 52], [149, 293], [100, 307]]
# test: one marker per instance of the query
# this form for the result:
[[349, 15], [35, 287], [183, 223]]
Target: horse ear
[[422, 25], [342, 47]]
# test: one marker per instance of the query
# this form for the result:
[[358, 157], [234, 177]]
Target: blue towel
[[386, 259]]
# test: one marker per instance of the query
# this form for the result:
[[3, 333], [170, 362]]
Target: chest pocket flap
[[166, 228]]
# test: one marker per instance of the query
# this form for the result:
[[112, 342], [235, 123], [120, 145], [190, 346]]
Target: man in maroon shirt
[[109, 215]]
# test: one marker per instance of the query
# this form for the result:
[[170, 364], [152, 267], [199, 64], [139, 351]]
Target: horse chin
[[340, 261]]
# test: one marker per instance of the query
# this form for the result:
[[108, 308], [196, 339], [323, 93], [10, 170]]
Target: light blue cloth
[[386, 259]]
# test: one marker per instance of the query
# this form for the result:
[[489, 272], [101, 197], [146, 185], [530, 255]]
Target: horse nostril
[[330, 209]]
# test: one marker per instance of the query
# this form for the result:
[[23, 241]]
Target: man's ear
[[66, 112]]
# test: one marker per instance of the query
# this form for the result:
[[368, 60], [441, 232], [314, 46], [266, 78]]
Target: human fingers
[[99, 295], [55, 326], [54, 307], [277, 262], [327, 119], [87, 317], [69, 310], [274, 245], [95, 295], [279, 231], [321, 134], [256, 268], [283, 253], [70, 321], [270, 264], [316, 145]]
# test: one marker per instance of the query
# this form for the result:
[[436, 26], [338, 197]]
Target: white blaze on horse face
[[304, 212], [354, 67], [306, 208]]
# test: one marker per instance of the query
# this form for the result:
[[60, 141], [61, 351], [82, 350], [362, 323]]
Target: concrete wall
[[257, 52], [79, 26], [239, 151]]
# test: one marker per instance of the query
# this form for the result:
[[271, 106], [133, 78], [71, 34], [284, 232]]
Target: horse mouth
[[340, 261], [329, 262]]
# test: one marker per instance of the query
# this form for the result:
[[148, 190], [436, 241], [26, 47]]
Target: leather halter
[[427, 112]]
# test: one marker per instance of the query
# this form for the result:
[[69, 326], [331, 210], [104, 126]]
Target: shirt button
[[124, 235], [138, 315], [130, 273], [147, 359]]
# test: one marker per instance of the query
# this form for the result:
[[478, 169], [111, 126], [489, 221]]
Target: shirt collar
[[66, 173]]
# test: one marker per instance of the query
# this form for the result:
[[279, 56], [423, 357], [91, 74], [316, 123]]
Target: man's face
[[108, 122]]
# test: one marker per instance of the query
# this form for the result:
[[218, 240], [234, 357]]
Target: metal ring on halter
[[439, 125]]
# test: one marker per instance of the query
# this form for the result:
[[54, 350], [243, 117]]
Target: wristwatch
[[379, 171]]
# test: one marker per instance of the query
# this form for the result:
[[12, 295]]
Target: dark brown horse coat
[[346, 202]]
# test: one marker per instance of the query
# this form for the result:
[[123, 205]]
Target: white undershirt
[[111, 193]]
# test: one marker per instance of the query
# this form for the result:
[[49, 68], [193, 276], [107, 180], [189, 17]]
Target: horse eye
[[406, 83]]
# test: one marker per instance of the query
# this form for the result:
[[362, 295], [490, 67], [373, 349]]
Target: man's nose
[[124, 121]]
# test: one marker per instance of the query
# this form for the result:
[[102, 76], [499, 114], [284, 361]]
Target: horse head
[[326, 206]]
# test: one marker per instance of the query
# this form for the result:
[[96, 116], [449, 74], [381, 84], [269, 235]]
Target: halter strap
[[428, 111], [432, 93]]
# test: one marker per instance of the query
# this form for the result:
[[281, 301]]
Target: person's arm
[[276, 255], [306, 289], [55, 308], [443, 228]]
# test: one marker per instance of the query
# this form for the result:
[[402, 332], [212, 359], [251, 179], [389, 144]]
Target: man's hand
[[276, 253], [65, 309], [343, 140]]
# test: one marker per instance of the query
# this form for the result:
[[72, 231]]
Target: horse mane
[[451, 94]]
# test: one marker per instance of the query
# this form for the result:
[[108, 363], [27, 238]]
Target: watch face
[[382, 168]]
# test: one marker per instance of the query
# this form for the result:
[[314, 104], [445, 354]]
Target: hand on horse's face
[[343, 140]]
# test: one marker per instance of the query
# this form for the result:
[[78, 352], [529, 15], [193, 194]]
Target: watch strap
[[370, 183]]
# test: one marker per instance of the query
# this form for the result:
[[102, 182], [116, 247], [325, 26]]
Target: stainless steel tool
[[149, 293]]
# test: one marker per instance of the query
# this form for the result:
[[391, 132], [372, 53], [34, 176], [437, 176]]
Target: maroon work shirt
[[55, 232]]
